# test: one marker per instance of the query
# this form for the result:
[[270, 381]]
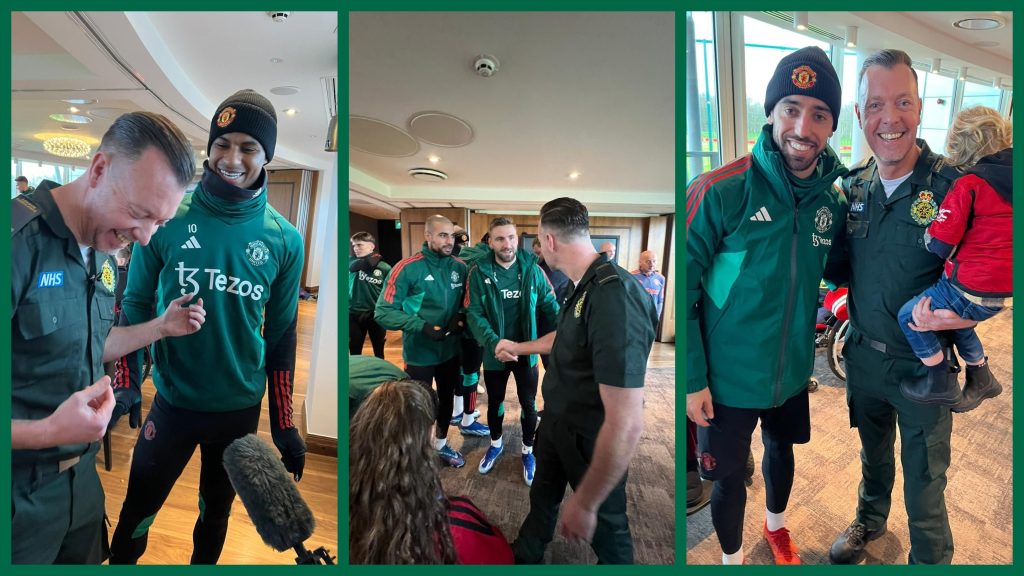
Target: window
[[704, 146], [842, 141], [937, 92], [976, 94], [37, 171]]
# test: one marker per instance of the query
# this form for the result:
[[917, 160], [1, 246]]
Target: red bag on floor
[[476, 540]]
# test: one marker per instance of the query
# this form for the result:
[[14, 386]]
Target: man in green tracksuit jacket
[[759, 230], [506, 289], [366, 273], [422, 297], [227, 244]]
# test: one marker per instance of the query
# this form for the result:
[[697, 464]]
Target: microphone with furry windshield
[[271, 498]]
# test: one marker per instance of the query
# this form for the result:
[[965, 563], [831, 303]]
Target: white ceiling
[[927, 35], [180, 64], [583, 91]]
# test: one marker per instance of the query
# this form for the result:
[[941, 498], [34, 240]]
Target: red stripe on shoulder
[[389, 291], [695, 194]]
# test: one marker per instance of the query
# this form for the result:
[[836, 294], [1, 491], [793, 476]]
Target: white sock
[[775, 521], [496, 443], [458, 406], [527, 449], [439, 443], [734, 558], [467, 419]]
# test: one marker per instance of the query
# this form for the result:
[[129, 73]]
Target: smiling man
[[227, 244], [759, 230], [894, 195]]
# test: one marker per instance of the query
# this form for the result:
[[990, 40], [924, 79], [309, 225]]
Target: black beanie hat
[[248, 112], [806, 72]]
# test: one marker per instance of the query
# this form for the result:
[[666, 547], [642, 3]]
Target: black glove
[[126, 401], [292, 449], [433, 332], [457, 324]]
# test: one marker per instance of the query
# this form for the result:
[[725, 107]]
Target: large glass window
[[703, 113], [36, 171], [936, 91], [764, 46], [842, 141], [976, 94]]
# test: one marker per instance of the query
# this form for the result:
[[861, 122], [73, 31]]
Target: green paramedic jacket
[[423, 288], [484, 308], [754, 261]]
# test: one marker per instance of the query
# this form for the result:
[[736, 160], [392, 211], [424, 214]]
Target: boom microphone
[[281, 516]]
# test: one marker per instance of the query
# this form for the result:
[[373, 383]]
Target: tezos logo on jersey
[[257, 252], [509, 294], [375, 279], [217, 281]]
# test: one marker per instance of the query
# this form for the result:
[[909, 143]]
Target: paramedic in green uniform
[[893, 197], [593, 394], [62, 309]]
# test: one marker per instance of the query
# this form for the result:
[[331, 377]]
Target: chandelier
[[67, 147]]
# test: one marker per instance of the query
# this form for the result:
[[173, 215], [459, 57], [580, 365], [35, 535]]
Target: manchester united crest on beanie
[[248, 112]]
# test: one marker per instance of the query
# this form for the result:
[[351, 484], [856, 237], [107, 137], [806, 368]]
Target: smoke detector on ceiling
[[278, 16], [428, 174], [485, 65]]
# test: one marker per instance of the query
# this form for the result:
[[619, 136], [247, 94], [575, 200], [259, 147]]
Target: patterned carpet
[[504, 497], [979, 494]]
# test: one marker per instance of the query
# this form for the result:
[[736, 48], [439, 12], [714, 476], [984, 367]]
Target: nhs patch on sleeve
[[51, 279]]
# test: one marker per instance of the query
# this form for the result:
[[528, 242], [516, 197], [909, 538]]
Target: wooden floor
[[170, 540]]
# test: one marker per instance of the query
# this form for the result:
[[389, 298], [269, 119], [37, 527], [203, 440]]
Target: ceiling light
[[800, 20], [276, 60], [936, 65], [285, 90], [70, 127], [67, 147], [71, 118], [978, 24], [74, 110], [291, 111], [428, 174], [574, 175], [851, 36], [434, 159], [80, 101]]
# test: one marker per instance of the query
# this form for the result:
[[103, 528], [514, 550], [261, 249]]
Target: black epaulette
[[606, 273], [23, 211], [943, 168]]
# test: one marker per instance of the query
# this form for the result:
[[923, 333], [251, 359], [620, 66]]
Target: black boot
[[939, 387], [698, 492], [849, 546], [981, 384]]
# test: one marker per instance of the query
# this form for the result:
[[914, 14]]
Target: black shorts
[[722, 447]]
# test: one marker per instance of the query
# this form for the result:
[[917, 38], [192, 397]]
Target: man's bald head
[[439, 233], [648, 261], [608, 249]]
